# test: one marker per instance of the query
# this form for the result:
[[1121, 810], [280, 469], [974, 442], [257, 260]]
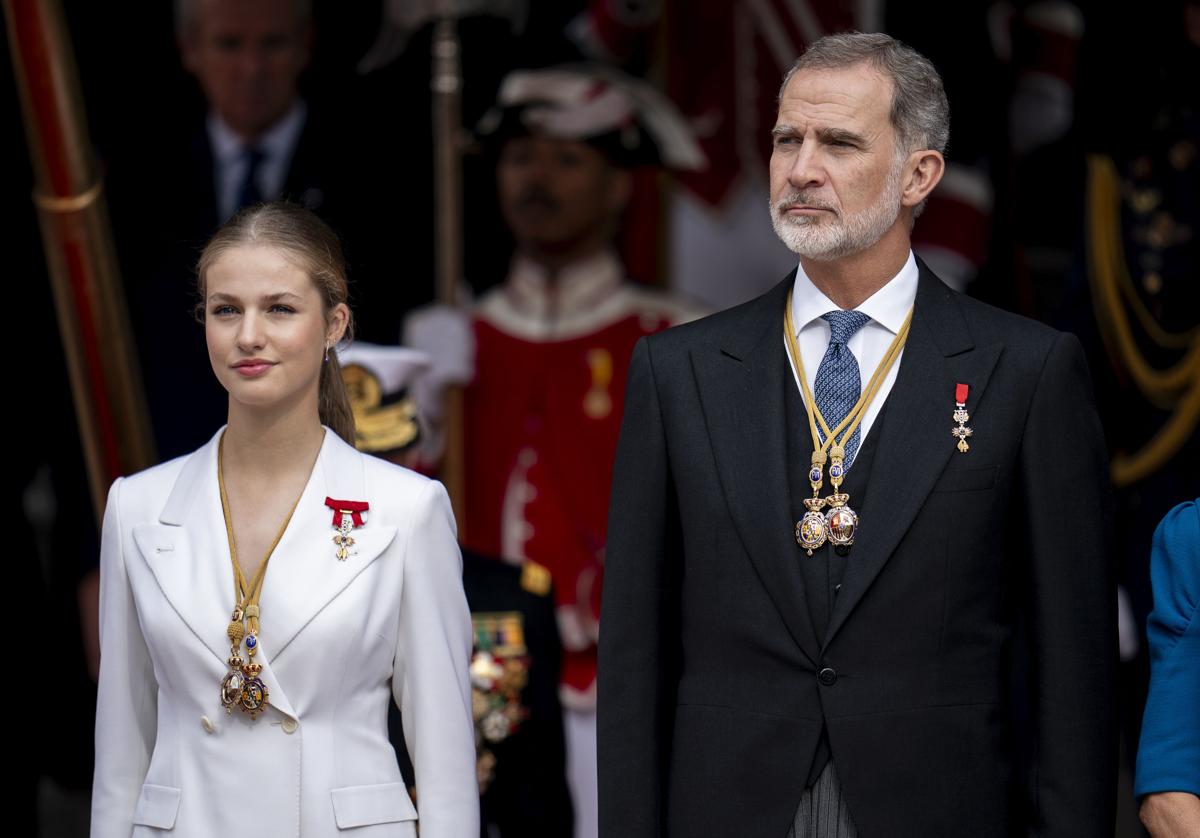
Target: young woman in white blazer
[[259, 707]]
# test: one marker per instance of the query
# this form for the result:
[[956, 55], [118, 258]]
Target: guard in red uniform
[[545, 354]]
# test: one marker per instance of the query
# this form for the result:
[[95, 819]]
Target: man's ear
[[922, 171], [188, 45]]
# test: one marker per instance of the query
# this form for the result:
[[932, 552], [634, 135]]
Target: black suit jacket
[[710, 702]]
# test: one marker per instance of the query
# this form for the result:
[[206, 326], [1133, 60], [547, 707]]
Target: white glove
[[444, 334]]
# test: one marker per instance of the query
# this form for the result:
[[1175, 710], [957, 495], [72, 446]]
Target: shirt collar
[[888, 306], [579, 286], [277, 143]]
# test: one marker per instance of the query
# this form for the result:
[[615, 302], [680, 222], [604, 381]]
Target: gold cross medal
[[347, 514], [961, 431]]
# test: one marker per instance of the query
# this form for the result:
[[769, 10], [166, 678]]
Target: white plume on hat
[[582, 101]]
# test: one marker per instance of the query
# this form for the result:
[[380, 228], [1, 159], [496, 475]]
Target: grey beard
[[827, 239]]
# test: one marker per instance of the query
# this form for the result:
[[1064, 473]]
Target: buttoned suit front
[[717, 680], [338, 640]]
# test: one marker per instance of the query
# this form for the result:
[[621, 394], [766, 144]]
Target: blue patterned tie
[[838, 384], [248, 191]]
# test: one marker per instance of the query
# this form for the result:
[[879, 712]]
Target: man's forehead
[[281, 15], [553, 144], [858, 94]]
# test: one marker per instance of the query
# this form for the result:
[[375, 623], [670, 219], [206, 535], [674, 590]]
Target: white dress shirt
[[229, 157], [887, 309]]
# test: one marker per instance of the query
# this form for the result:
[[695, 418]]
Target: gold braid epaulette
[[1176, 388]]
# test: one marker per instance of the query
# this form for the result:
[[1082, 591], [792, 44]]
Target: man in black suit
[[257, 138], [828, 598]]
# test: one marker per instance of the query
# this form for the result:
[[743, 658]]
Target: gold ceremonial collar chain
[[241, 687], [839, 523]]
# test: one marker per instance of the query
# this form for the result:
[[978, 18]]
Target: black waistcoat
[[824, 569]]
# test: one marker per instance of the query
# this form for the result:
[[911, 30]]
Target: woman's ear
[[339, 320]]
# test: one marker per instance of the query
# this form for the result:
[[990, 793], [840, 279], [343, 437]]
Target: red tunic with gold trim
[[542, 419]]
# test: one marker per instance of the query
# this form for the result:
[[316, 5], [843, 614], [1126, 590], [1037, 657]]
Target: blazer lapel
[[304, 575], [742, 399], [915, 442], [188, 552]]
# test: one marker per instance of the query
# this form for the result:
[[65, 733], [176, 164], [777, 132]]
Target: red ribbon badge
[[354, 507], [960, 392]]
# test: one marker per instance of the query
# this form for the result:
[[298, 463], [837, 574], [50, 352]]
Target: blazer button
[[827, 676], [289, 725], [206, 723]]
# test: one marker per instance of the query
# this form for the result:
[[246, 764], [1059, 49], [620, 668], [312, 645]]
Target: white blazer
[[335, 638]]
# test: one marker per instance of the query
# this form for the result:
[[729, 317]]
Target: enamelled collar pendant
[[839, 523]]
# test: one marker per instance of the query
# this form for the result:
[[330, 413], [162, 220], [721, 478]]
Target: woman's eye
[[220, 311], [281, 308]]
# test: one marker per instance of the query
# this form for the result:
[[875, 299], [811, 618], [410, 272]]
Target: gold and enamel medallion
[[810, 530]]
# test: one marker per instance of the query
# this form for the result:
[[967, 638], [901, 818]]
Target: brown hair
[[314, 247]]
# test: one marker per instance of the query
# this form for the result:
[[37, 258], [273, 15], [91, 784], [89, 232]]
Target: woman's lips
[[252, 369]]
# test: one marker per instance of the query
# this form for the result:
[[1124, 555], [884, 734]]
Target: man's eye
[[276, 43], [785, 140]]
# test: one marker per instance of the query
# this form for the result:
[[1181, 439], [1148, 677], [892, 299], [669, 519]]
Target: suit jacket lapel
[[915, 442], [304, 575], [188, 553], [742, 399]]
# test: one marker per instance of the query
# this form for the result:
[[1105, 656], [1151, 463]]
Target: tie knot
[[253, 155], [843, 324]]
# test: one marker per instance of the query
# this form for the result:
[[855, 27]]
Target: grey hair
[[920, 111], [187, 14]]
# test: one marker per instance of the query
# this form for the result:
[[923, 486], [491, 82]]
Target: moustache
[[538, 198], [805, 198]]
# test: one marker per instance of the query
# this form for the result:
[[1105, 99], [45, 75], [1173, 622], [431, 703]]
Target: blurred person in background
[[544, 355], [520, 755], [253, 138]]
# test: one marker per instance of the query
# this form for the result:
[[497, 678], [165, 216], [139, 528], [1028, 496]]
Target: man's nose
[[252, 61], [806, 170]]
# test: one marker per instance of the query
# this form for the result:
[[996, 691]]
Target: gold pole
[[447, 152]]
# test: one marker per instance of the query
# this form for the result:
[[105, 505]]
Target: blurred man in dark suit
[[256, 139]]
